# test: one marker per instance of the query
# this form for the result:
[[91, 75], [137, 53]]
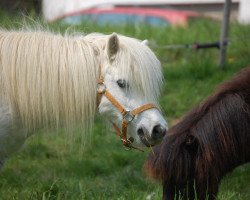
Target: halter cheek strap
[[127, 115]]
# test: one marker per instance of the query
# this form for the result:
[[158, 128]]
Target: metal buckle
[[126, 143], [128, 116], [101, 88]]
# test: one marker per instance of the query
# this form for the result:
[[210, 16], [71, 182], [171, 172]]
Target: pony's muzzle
[[157, 134]]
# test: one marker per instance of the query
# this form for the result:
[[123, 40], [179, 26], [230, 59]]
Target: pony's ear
[[191, 143], [112, 46], [145, 42]]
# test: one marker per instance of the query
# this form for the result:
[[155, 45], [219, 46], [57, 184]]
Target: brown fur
[[210, 141]]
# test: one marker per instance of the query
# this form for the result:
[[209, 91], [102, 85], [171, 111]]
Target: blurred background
[[188, 37]]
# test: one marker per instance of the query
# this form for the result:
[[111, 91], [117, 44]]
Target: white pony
[[50, 80]]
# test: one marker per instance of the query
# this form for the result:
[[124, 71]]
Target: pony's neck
[[234, 131]]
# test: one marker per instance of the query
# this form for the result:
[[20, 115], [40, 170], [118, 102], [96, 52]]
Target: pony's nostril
[[140, 132], [158, 132]]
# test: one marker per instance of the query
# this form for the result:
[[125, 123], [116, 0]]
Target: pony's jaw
[[130, 99], [147, 121]]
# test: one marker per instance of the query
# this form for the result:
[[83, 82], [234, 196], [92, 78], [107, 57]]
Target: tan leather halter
[[127, 115]]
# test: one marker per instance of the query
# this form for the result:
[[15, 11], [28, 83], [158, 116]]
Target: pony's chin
[[147, 142]]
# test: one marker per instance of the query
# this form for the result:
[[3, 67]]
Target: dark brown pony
[[210, 141]]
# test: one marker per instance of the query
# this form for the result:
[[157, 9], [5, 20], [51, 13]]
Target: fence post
[[224, 33]]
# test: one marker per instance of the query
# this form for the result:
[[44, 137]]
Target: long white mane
[[50, 80]]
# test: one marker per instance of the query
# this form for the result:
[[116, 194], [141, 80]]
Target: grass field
[[49, 167]]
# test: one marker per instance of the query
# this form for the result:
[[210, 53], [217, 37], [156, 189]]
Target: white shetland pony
[[50, 80]]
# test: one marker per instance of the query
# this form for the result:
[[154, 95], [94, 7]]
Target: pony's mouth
[[145, 139]]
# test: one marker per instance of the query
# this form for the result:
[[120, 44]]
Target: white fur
[[49, 80]]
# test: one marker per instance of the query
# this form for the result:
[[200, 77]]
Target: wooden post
[[224, 33]]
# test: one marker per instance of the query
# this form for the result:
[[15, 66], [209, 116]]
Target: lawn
[[51, 167]]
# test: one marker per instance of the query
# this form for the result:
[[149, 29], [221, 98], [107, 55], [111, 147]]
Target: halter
[[127, 115]]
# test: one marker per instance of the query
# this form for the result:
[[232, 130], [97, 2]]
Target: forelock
[[140, 66]]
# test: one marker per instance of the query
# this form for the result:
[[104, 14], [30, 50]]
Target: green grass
[[50, 167]]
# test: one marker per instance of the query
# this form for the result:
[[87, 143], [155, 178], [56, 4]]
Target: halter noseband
[[127, 115]]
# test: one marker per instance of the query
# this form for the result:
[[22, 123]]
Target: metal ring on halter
[[128, 116]]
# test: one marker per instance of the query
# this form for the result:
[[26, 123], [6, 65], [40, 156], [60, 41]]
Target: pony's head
[[173, 162], [131, 73]]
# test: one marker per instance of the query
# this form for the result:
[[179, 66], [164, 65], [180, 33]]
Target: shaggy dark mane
[[211, 140]]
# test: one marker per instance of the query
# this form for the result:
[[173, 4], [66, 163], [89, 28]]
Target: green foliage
[[50, 167]]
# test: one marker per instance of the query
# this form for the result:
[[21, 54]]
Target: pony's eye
[[122, 83]]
